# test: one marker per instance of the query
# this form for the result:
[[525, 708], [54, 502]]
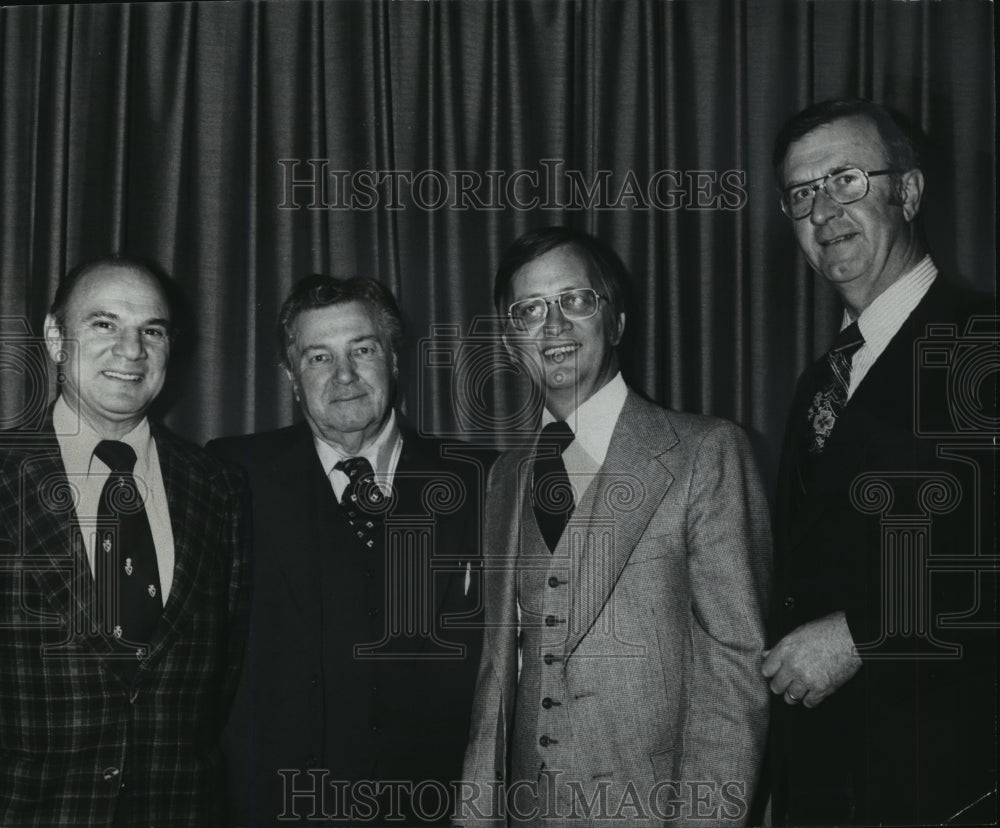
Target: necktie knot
[[848, 341], [116, 455], [355, 467], [557, 434]]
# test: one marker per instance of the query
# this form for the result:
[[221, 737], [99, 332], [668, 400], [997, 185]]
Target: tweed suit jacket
[[309, 705], [910, 739], [679, 697], [78, 740]]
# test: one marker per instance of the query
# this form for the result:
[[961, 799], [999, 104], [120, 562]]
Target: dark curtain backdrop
[[175, 132]]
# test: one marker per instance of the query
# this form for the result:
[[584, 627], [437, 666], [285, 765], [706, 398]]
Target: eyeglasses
[[843, 186], [579, 303]]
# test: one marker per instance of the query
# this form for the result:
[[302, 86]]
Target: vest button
[[546, 702], [553, 581], [549, 658], [789, 603], [544, 741], [550, 620]]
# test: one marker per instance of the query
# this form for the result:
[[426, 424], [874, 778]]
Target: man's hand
[[812, 661]]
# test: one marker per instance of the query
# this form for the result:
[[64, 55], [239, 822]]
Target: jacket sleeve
[[729, 562]]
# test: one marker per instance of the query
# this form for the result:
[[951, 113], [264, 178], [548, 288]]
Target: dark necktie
[[128, 580], [831, 387], [551, 493], [362, 499]]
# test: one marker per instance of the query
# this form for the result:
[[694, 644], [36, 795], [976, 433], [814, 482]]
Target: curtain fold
[[242, 146]]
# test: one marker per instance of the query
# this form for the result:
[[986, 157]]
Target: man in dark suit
[[884, 628], [627, 561], [354, 703], [120, 575]]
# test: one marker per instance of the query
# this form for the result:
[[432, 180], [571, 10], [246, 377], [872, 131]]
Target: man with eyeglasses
[[882, 661], [627, 560]]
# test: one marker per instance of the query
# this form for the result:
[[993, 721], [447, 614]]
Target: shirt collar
[[77, 440], [879, 322], [379, 452], [594, 420]]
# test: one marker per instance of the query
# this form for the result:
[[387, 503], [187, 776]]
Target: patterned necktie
[[831, 387], [362, 499], [551, 493], [128, 581]]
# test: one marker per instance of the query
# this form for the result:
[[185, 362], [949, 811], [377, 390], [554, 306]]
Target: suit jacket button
[[789, 603], [544, 741], [111, 774], [499, 776], [376, 731], [553, 581], [549, 658], [550, 620], [314, 681], [546, 702]]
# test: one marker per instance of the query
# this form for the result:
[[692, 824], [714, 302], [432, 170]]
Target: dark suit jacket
[[902, 483], [73, 729], [310, 702]]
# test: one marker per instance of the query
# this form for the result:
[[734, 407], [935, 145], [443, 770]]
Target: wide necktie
[[363, 500], [832, 383], [128, 580], [551, 493]]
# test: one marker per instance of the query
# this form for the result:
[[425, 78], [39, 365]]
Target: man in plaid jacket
[[98, 728]]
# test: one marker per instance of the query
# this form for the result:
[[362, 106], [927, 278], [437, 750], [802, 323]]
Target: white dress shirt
[[87, 474], [880, 321], [383, 453], [593, 423]]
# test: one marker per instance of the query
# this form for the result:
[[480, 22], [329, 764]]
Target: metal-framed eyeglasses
[[579, 303], [845, 186]]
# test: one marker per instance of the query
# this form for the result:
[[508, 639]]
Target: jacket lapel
[[50, 527], [618, 506], [187, 492], [883, 399], [503, 533], [306, 508]]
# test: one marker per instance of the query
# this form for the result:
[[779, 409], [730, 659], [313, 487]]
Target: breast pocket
[[649, 549]]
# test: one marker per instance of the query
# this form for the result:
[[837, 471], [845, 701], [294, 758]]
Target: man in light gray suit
[[627, 564]]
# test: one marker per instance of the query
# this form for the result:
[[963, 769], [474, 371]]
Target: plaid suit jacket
[[79, 742]]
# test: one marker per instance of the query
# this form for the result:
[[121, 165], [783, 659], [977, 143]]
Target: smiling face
[[115, 345], [343, 371], [574, 358], [863, 247]]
